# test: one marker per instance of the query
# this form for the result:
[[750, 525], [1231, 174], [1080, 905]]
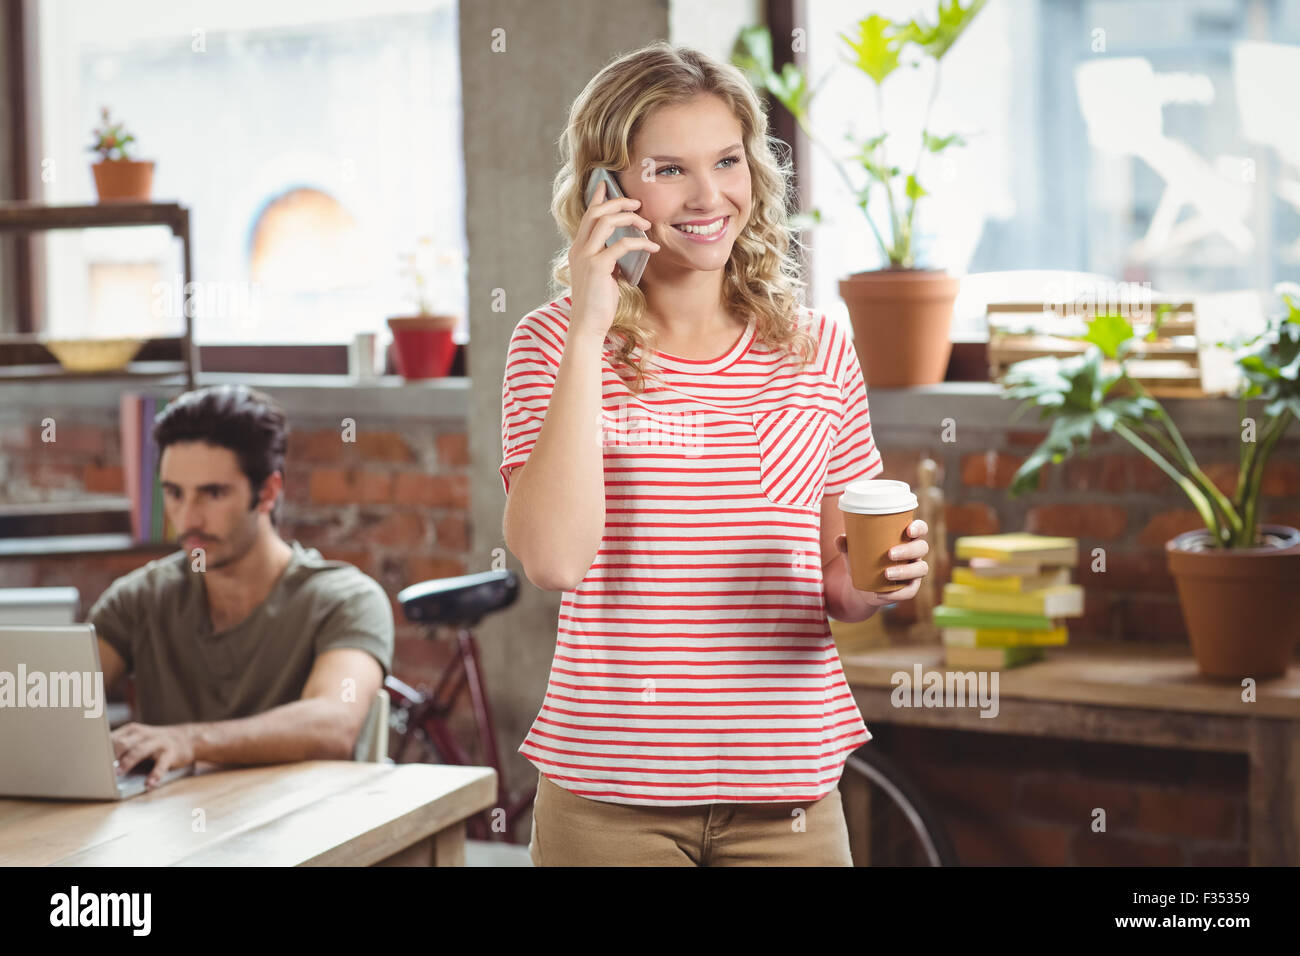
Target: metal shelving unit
[[23, 357]]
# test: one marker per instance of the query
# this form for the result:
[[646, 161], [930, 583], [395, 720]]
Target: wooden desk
[[1126, 694], [317, 813]]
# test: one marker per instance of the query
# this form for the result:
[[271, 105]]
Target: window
[[1137, 139], [314, 142]]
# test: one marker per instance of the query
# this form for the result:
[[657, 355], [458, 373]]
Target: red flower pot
[[423, 345]]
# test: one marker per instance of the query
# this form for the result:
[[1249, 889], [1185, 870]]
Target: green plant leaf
[[914, 189], [1107, 332], [937, 38], [937, 144], [877, 47]]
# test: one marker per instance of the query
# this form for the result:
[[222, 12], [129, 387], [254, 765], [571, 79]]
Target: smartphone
[[632, 263]]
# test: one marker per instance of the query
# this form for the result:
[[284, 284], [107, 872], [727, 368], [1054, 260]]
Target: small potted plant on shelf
[[1236, 578], [901, 314], [118, 178], [423, 346]]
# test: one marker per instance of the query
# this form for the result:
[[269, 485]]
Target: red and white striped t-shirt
[[694, 663]]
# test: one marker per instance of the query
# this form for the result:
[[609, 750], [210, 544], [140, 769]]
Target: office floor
[[484, 853]]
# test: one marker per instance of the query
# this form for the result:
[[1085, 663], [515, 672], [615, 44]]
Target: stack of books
[[1009, 601], [149, 524]]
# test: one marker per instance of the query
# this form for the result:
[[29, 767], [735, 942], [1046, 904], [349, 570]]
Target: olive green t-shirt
[[156, 617]]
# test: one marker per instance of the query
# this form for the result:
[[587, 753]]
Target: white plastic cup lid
[[879, 496]]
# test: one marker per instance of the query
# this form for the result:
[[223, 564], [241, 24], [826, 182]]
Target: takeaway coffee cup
[[876, 516]]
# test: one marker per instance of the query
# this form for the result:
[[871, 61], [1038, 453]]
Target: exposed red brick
[[1165, 525], [1176, 812], [422, 567], [74, 439], [1223, 474], [902, 464], [1021, 437], [383, 446], [972, 518], [44, 474], [1068, 798], [453, 448], [1281, 478], [1096, 473], [374, 487], [1154, 618], [979, 790], [437, 491], [451, 532], [991, 469], [324, 445], [1219, 856], [104, 479], [1114, 849], [400, 529], [332, 486], [982, 841], [1146, 570], [1099, 522]]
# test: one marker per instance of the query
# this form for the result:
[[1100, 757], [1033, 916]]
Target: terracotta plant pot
[[123, 180], [902, 323], [423, 345], [1241, 605]]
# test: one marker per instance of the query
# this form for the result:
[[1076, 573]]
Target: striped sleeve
[[854, 456], [525, 395]]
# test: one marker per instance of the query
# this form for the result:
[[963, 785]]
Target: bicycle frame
[[429, 715]]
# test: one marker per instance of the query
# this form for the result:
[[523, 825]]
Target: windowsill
[[388, 396], [56, 545]]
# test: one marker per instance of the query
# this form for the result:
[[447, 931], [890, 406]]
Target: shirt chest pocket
[[794, 449]]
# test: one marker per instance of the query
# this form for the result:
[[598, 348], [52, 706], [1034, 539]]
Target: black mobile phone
[[632, 263]]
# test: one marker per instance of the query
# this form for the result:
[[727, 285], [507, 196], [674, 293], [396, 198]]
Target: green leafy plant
[[111, 139], [1079, 396], [880, 47]]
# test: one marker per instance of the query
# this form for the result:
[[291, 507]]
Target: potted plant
[[901, 314], [118, 178], [1236, 578], [423, 346]]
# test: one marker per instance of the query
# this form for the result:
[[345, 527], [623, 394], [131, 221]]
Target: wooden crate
[[1169, 366]]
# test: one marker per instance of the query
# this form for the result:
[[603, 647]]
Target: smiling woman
[[695, 678]]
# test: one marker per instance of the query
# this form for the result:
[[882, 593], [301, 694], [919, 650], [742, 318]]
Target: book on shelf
[[1003, 637], [1010, 583], [1019, 547], [990, 657], [946, 615], [1059, 601]]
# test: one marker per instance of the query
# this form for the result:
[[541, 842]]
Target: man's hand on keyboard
[[169, 747]]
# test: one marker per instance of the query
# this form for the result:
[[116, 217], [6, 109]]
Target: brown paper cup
[[869, 539]]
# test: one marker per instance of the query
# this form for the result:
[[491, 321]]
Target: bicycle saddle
[[462, 601]]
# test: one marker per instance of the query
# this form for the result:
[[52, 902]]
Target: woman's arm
[[555, 510]]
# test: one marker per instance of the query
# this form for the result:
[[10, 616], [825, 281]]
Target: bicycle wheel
[[890, 822]]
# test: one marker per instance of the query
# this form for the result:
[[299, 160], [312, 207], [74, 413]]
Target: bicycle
[[419, 719], [889, 820]]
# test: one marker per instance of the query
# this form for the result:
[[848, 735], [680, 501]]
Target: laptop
[[39, 605], [54, 731]]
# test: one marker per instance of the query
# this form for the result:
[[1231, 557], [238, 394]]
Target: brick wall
[[1114, 499], [1029, 801]]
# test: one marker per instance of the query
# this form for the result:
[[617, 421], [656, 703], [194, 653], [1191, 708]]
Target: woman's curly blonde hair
[[762, 277]]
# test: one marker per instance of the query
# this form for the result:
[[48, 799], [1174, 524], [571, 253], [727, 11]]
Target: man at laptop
[[243, 648]]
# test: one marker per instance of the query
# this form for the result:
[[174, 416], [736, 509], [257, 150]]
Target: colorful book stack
[[140, 464], [1009, 601]]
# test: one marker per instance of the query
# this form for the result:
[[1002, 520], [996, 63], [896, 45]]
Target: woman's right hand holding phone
[[592, 263]]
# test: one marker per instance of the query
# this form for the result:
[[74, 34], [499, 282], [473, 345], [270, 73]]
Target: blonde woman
[[673, 455]]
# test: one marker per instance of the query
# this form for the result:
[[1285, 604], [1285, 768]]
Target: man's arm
[[322, 725], [111, 663]]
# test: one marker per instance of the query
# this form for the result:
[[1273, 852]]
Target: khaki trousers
[[570, 830]]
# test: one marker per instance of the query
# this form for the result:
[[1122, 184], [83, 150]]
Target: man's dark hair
[[246, 421]]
